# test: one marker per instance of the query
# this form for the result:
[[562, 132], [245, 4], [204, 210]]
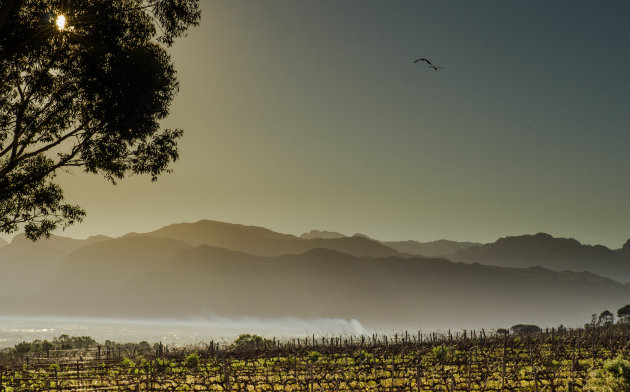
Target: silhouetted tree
[[606, 318], [593, 322], [624, 314], [87, 94], [525, 329], [247, 340]]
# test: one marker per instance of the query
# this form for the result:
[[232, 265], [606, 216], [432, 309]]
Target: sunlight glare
[[60, 22]]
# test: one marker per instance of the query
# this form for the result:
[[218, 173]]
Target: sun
[[60, 22]]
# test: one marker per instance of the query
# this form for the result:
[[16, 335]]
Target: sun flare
[[60, 22]]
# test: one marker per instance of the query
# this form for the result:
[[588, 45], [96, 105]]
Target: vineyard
[[553, 360]]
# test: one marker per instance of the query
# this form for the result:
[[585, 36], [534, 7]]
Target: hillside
[[554, 253], [25, 264], [261, 241], [625, 250], [143, 277], [430, 249], [321, 234]]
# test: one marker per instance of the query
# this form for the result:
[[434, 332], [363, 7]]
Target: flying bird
[[425, 60], [433, 67]]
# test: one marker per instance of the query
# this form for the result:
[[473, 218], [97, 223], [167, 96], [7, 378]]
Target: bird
[[425, 60], [433, 67]]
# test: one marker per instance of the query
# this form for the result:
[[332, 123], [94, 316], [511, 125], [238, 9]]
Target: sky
[[313, 115]]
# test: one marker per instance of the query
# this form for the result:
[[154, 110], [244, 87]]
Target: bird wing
[[423, 59]]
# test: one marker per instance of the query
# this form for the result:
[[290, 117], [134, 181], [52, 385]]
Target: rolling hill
[[430, 249], [261, 241], [549, 252], [25, 264], [151, 277]]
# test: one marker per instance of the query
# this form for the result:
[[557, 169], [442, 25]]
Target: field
[[554, 360]]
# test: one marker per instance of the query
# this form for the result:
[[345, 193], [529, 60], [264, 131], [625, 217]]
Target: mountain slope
[[554, 253], [261, 241], [25, 265], [138, 277], [430, 249], [625, 250], [321, 234]]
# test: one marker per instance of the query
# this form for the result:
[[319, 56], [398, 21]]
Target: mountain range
[[214, 268], [554, 253]]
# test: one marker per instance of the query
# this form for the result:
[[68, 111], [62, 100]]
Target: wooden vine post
[[503, 361]]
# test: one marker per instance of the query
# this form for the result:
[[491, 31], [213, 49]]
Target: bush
[[525, 329], [363, 357], [192, 361], [22, 348], [613, 377], [250, 341], [313, 356], [440, 352]]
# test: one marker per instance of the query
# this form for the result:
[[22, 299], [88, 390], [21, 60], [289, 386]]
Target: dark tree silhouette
[[624, 313], [606, 318], [525, 329], [87, 94]]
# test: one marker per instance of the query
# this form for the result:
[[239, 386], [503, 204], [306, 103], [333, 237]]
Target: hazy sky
[[312, 115]]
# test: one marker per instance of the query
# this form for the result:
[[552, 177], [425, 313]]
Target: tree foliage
[[250, 341], [88, 96], [624, 313], [525, 329], [613, 377], [606, 318]]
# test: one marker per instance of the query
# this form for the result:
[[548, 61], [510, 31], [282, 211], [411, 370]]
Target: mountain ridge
[[261, 241], [380, 291], [550, 252]]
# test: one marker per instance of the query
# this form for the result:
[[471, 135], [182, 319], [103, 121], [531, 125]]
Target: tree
[[606, 318], [525, 329], [246, 340], [624, 314], [87, 94]]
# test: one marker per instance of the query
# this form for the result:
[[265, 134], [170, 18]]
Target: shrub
[[313, 356], [439, 352], [525, 329], [613, 377], [192, 361], [362, 357]]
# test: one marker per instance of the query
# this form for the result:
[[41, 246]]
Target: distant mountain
[[321, 234], [20, 243], [151, 277], [625, 250], [554, 253], [25, 264], [214, 268], [430, 249], [261, 241], [101, 267]]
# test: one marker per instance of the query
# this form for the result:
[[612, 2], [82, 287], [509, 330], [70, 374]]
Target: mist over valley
[[208, 270]]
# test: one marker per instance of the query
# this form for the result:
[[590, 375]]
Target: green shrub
[[613, 377], [192, 361], [440, 352], [313, 356], [362, 357]]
